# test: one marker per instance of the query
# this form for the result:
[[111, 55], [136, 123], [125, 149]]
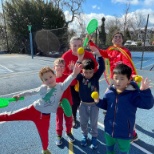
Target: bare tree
[[73, 6], [136, 23], [125, 19], [82, 24]]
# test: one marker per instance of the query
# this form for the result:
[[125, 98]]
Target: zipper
[[115, 109], [129, 128]]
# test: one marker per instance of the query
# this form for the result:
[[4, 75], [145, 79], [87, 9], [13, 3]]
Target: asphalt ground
[[21, 137]]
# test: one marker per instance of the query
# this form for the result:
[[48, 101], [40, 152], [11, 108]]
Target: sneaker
[[59, 140], [46, 152], [70, 137], [135, 137], [84, 141], [94, 143]]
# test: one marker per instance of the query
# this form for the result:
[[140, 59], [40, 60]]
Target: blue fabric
[[121, 109], [86, 87], [110, 149]]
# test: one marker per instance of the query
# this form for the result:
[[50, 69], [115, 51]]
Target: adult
[[114, 54]]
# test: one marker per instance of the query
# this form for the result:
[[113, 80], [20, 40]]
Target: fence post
[[31, 40]]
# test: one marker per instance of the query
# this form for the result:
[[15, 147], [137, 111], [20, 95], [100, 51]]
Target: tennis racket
[[47, 42], [66, 107], [4, 102], [91, 27]]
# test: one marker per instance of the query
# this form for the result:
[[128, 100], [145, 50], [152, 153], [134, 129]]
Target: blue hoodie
[[121, 109]]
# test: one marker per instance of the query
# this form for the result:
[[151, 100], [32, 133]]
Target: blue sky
[[111, 9], [115, 7]]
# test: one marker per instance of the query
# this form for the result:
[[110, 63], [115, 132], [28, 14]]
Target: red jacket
[[115, 57]]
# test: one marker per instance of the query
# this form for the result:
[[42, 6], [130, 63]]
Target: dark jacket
[[86, 87], [121, 109]]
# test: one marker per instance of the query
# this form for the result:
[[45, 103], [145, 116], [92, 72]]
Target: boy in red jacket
[[59, 67]]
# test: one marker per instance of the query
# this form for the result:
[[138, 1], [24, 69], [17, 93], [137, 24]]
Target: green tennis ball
[[66, 107], [76, 87]]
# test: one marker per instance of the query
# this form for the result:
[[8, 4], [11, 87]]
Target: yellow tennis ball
[[80, 51], [76, 87], [95, 95], [138, 78]]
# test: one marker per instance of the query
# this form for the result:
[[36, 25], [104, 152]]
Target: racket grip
[[21, 98], [13, 99], [85, 42]]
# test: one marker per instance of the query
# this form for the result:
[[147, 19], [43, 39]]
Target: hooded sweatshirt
[[121, 109]]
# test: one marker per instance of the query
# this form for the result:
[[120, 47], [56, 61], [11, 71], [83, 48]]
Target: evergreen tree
[[37, 13], [102, 34]]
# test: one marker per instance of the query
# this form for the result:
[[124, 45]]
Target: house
[[139, 35]]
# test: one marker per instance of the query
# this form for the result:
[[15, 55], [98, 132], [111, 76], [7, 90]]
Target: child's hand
[[77, 69], [71, 65], [145, 84], [95, 96], [17, 97]]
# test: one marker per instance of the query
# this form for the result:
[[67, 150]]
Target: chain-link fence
[[44, 41]]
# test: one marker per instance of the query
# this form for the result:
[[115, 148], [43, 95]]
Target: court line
[[17, 74], [6, 68], [70, 148], [148, 66]]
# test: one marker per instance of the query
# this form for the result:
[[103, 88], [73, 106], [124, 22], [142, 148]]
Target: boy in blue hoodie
[[121, 102]]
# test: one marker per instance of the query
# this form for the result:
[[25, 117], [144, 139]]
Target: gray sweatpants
[[88, 112]]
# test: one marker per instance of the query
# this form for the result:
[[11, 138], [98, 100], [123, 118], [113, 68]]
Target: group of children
[[120, 100]]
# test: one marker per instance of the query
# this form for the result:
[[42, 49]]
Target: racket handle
[[85, 42], [13, 99]]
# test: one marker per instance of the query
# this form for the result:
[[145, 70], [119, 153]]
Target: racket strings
[[47, 41]]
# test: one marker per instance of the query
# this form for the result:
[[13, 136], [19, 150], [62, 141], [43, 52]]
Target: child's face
[[75, 45], [120, 82], [88, 73], [49, 79], [117, 39], [59, 68]]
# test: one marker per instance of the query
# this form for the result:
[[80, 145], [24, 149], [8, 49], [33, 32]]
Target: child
[[89, 82], [39, 111], [121, 102], [70, 58], [59, 66]]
